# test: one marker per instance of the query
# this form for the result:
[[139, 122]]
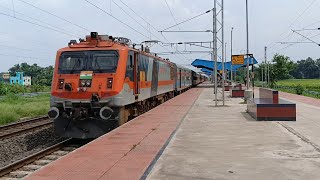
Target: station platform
[[189, 138]]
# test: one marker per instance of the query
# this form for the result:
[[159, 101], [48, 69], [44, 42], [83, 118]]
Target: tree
[[282, 67], [308, 69], [40, 75]]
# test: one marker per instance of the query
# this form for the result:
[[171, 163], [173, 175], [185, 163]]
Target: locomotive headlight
[[82, 83], [109, 83], [61, 83], [88, 83]]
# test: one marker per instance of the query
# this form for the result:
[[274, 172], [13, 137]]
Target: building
[[21, 79], [4, 77], [27, 80]]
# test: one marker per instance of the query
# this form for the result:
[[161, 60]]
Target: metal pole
[[262, 72], [225, 58], [223, 70], [212, 75], [268, 66], [231, 55], [247, 23], [265, 61], [215, 51]]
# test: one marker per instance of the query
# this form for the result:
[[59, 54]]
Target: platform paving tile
[[126, 152], [226, 143]]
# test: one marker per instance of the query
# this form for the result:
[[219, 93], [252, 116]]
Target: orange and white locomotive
[[101, 82]]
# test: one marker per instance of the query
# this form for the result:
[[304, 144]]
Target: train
[[101, 82]]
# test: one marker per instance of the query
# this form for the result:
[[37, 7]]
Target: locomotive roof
[[105, 42]]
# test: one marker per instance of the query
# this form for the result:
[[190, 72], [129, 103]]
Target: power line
[[187, 20], [24, 37], [54, 15], [24, 15], [171, 12], [133, 18], [22, 49], [29, 57], [137, 14], [94, 5], [306, 37], [30, 22], [291, 24]]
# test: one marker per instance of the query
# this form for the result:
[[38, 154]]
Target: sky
[[31, 35]]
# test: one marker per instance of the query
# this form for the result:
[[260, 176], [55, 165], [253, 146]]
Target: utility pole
[[265, 61], [215, 58], [247, 25], [268, 66], [218, 18], [262, 72], [231, 55], [225, 56], [223, 68]]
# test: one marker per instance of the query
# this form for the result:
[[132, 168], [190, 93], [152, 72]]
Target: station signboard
[[237, 59]]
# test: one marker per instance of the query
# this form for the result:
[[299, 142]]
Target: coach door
[[136, 75]]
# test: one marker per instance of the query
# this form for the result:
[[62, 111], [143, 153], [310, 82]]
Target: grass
[[308, 84], [13, 107]]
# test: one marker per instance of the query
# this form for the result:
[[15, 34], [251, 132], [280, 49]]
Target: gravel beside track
[[18, 147]]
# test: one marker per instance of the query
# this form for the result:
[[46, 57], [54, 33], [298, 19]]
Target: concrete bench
[[237, 91], [268, 107]]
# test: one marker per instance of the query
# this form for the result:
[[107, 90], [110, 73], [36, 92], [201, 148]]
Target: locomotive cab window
[[105, 61], [96, 61]]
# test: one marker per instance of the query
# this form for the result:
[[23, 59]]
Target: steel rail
[[16, 128], [28, 160]]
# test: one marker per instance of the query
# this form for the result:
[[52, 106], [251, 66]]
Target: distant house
[[21, 79], [27, 80], [4, 77]]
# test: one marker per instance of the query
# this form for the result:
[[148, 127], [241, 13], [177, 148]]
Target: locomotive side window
[[143, 67], [129, 69]]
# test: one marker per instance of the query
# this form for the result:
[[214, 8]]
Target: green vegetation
[[288, 76], [6, 89], [40, 75], [308, 84], [15, 107], [305, 87]]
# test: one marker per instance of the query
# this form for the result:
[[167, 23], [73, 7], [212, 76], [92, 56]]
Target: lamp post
[[231, 53], [247, 25]]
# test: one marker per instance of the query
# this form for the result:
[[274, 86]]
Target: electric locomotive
[[102, 81]]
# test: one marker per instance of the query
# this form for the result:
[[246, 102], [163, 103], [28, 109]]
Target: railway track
[[20, 127], [28, 165]]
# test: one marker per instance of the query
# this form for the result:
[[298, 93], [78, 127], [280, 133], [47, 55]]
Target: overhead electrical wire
[[96, 6], [18, 56], [174, 19], [30, 22], [186, 20], [35, 19], [23, 49], [138, 15], [291, 24], [59, 17], [133, 18]]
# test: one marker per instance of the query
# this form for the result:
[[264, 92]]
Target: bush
[[37, 88], [299, 89]]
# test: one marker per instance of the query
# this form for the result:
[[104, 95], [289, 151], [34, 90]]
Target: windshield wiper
[[74, 66], [99, 67]]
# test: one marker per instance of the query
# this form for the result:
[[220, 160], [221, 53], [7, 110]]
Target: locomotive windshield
[[96, 61]]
